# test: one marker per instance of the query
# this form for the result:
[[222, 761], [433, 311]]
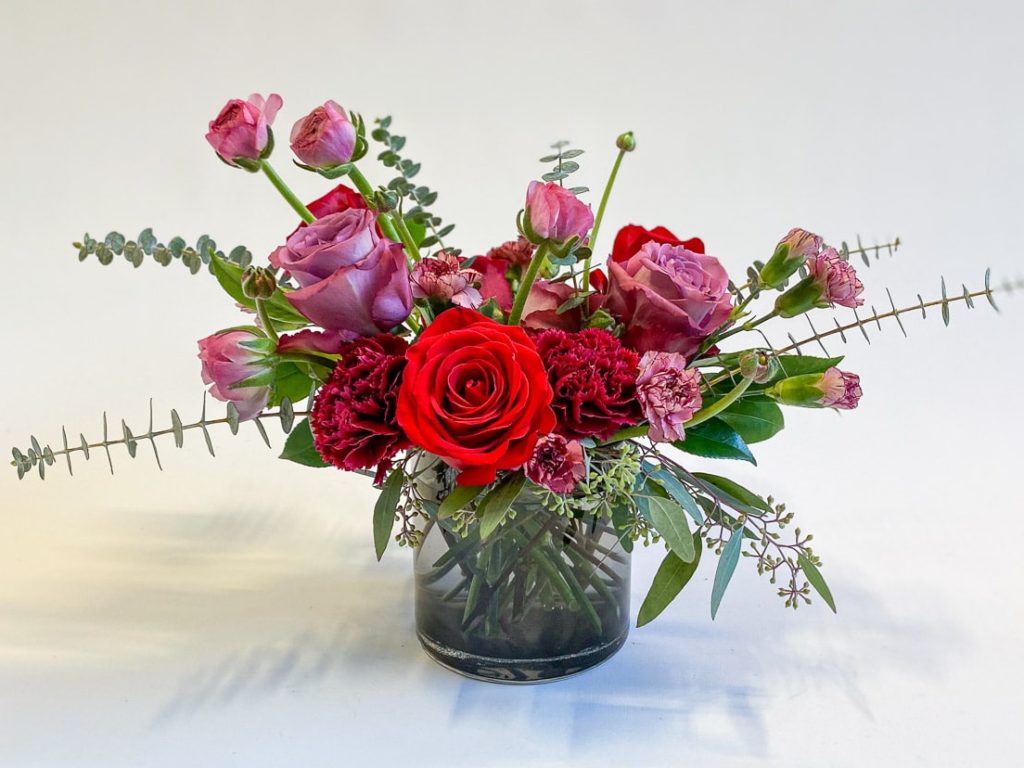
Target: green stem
[[527, 282], [393, 226], [286, 192], [720, 405], [265, 321], [600, 216]]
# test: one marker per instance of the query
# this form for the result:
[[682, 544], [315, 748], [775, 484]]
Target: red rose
[[339, 199], [594, 382], [632, 237], [353, 418], [475, 393]]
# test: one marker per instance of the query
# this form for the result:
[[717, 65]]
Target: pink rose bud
[[829, 281], [325, 137], [669, 298], [556, 214], [227, 361], [557, 464], [790, 254], [241, 132], [351, 279], [831, 389], [669, 394], [441, 278]]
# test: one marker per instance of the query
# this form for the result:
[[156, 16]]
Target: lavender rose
[[669, 393], [351, 278], [226, 362], [242, 129], [325, 137], [669, 298]]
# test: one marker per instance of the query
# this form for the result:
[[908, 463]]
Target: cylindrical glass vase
[[543, 597]]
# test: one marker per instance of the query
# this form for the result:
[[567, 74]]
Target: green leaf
[[669, 520], [384, 511], [621, 518], [714, 439], [460, 496], [495, 505], [673, 574], [300, 447], [678, 491], [726, 565], [755, 419], [291, 382], [735, 495], [817, 580]]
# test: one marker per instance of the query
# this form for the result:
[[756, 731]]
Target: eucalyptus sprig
[[421, 197], [146, 244], [40, 457], [565, 165]]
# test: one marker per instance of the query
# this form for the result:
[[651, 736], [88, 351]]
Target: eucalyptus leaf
[[817, 581], [384, 511], [493, 507], [678, 491], [669, 520], [735, 495], [459, 498], [726, 566], [673, 574]]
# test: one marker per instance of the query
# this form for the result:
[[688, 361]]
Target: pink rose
[[557, 464], [226, 362], [669, 393], [325, 137], [351, 278], [554, 213], [669, 298], [442, 278], [242, 128]]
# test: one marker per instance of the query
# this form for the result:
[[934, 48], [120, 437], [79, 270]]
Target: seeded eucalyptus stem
[[600, 216], [286, 192], [528, 279]]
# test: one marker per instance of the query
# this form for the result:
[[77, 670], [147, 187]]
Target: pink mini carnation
[[840, 389], [518, 251], [441, 277], [669, 393], [837, 278], [557, 464]]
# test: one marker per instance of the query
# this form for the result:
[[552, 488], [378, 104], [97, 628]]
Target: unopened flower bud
[[626, 142], [385, 200], [790, 254], [759, 366], [258, 283], [831, 389]]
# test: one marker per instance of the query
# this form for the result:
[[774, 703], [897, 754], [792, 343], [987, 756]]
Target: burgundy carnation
[[594, 380], [557, 464], [353, 419]]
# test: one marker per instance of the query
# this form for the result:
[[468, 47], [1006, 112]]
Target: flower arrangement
[[527, 409]]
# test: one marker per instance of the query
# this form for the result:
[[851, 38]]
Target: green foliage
[[817, 581], [458, 499], [299, 447], [565, 165], [714, 439], [384, 511], [673, 574], [283, 314], [146, 244], [726, 566], [754, 419], [418, 218], [493, 507], [669, 520], [39, 457], [735, 495]]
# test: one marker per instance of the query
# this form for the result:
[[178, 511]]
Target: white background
[[229, 612]]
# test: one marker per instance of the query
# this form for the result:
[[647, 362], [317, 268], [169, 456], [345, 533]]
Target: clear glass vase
[[543, 597]]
